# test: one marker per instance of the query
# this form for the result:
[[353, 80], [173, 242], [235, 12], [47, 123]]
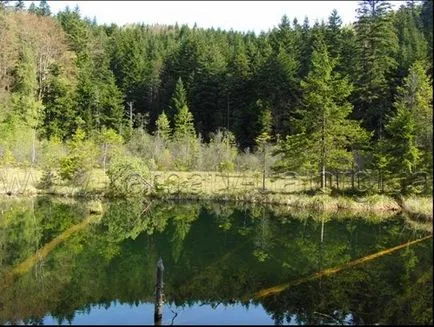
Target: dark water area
[[224, 264]]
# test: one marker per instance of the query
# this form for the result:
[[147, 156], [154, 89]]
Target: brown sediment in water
[[327, 272]]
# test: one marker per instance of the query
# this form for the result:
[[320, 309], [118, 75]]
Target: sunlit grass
[[217, 186], [422, 207]]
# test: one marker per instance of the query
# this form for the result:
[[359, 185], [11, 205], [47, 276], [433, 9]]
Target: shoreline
[[213, 187], [368, 204]]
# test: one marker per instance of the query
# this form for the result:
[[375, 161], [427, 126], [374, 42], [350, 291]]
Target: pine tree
[[416, 95], [184, 137], [325, 134], [163, 127], [43, 9], [334, 35], [25, 88], [427, 22], [184, 124], [401, 150], [32, 8], [377, 45], [77, 33], [178, 100], [264, 137], [59, 102], [412, 43], [407, 146]]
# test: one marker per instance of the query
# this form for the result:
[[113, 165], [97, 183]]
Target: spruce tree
[[178, 100], [334, 35], [407, 147], [184, 124], [399, 147], [43, 9], [32, 8], [185, 142], [264, 137], [324, 135], [412, 43], [377, 44], [163, 127], [60, 107]]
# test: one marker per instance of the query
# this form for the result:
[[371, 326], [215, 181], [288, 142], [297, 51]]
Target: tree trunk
[[323, 153], [104, 158], [33, 147], [323, 178], [158, 313], [264, 168]]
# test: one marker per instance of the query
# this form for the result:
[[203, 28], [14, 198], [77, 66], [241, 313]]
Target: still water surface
[[224, 264]]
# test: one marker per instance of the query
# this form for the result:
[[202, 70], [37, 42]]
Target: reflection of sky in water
[[144, 314]]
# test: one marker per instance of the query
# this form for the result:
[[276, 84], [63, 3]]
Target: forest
[[76, 95]]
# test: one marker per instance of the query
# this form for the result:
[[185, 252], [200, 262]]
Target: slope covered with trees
[[323, 96]]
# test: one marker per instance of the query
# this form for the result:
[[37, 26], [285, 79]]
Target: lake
[[223, 264]]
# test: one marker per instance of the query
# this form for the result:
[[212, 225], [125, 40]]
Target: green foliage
[[412, 43], [65, 72], [59, 117], [185, 144], [163, 127], [110, 144], [115, 259], [179, 99], [400, 153], [325, 135], [377, 46], [184, 124], [265, 123], [76, 166], [128, 176], [52, 153], [43, 9]]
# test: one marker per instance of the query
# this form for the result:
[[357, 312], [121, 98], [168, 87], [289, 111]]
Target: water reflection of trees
[[213, 254]]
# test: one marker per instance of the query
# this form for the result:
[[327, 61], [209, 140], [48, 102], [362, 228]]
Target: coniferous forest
[[312, 96]]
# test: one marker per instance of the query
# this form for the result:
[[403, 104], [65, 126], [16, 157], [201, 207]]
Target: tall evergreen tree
[[43, 9], [264, 137], [407, 146], [178, 100], [32, 8], [184, 124], [60, 108], [377, 45], [325, 134], [427, 22], [163, 127], [184, 135], [334, 35], [412, 43]]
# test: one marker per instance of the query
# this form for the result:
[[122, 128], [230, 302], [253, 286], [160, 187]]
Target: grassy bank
[[214, 186]]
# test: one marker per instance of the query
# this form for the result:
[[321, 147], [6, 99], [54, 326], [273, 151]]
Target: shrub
[[129, 176], [76, 166]]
